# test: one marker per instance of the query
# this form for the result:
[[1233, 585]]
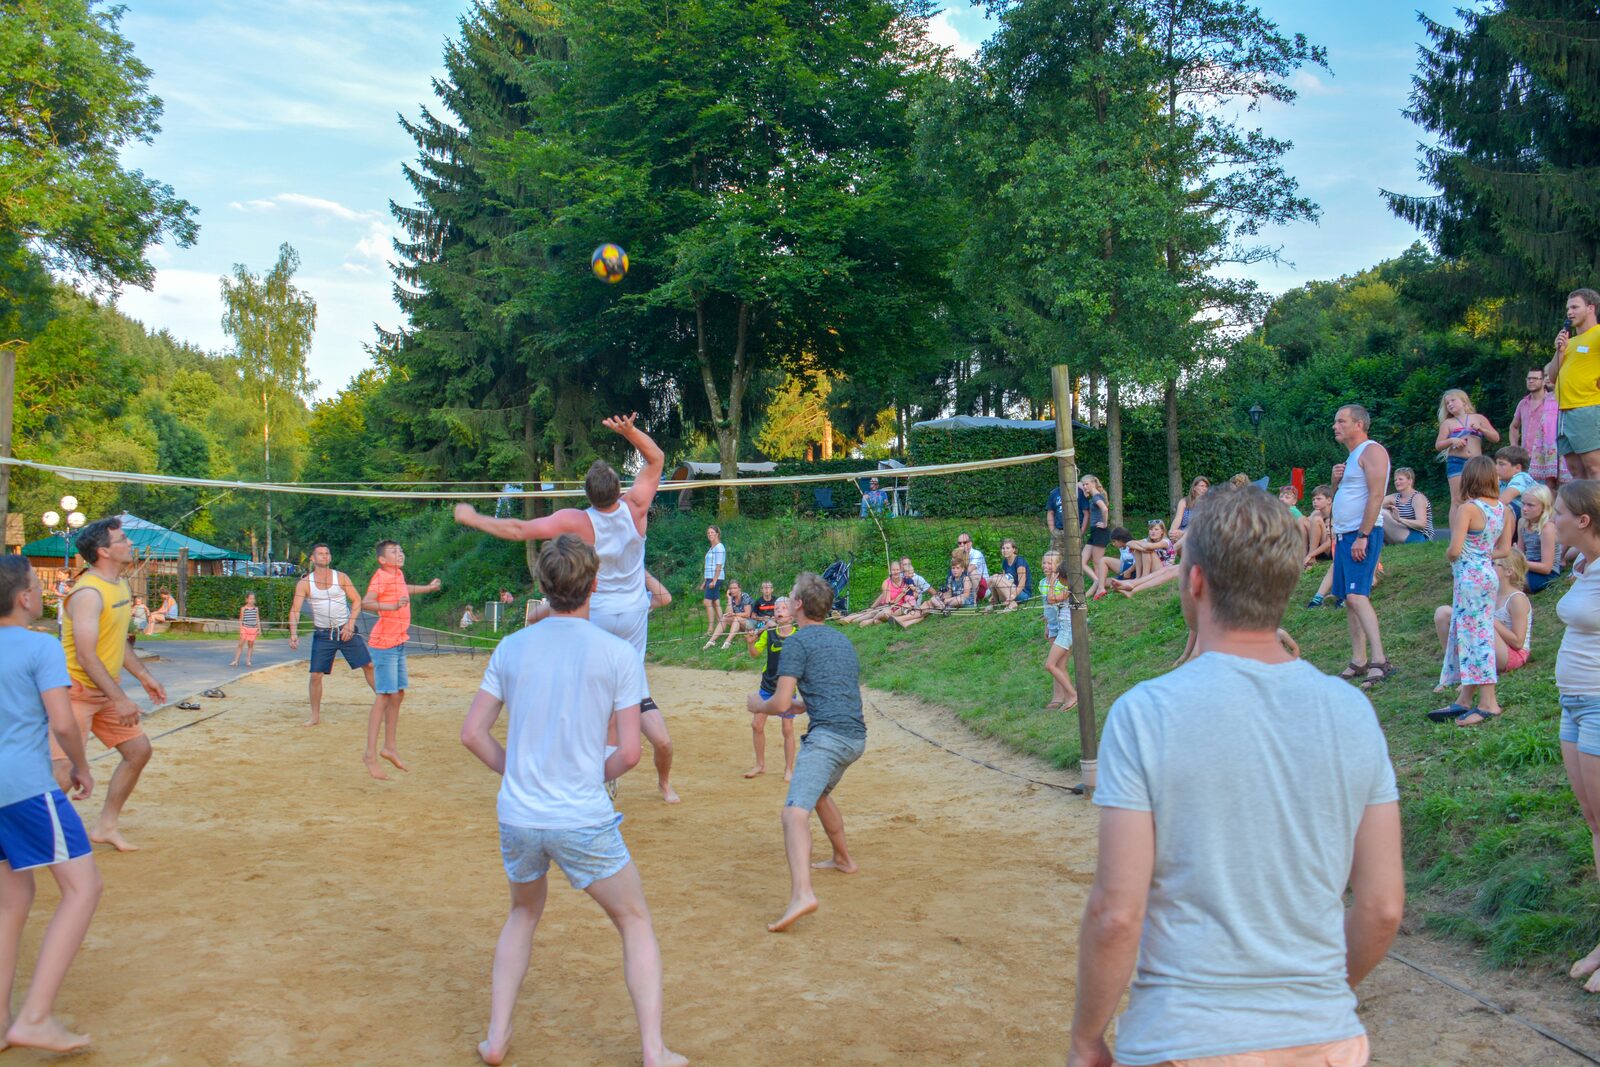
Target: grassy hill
[[1496, 849]]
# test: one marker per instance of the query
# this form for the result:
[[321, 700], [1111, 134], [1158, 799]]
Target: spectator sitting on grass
[[741, 606], [762, 611], [1124, 565], [1291, 500], [1511, 466], [1407, 514], [1537, 535], [1317, 528], [1153, 552], [1513, 615], [1180, 518], [894, 596], [168, 608], [960, 586], [1015, 582]]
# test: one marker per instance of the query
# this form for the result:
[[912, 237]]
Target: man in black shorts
[[335, 610]]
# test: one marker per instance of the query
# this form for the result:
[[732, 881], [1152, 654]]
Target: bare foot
[[797, 909], [373, 769], [235, 663], [668, 794], [492, 1054], [1586, 966], [668, 1058], [788, 775], [114, 838], [753, 771], [48, 1035], [845, 867], [1593, 984], [313, 721], [393, 757]]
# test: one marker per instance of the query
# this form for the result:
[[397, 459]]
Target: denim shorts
[[824, 757], [586, 855], [1454, 465], [1580, 723], [389, 669]]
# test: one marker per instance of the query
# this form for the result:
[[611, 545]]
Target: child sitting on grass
[[1537, 536], [1154, 552], [1063, 695]]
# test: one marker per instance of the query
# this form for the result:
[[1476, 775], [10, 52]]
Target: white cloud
[[943, 31], [326, 207], [1308, 83], [253, 205]]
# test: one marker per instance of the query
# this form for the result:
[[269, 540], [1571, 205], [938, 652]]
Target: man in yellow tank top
[[1576, 370], [94, 635]]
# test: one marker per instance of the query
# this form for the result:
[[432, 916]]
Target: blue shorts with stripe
[[41, 831]]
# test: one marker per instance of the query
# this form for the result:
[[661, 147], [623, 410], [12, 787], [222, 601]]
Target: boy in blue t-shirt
[[1511, 464], [38, 827]]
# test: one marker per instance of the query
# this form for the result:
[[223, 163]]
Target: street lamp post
[[75, 519], [1255, 413]]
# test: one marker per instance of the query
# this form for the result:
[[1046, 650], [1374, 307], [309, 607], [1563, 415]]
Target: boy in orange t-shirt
[[389, 597]]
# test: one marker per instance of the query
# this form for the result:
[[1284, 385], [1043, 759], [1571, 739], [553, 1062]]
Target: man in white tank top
[[335, 608], [614, 524], [1360, 484]]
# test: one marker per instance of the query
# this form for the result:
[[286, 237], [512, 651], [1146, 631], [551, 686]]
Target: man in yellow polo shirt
[[94, 635], [1576, 370]]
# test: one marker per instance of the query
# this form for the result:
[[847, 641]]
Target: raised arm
[[431, 587], [567, 520], [1442, 439], [643, 490], [1486, 428]]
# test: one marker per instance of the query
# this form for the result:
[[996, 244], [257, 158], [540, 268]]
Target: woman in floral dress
[[1479, 535]]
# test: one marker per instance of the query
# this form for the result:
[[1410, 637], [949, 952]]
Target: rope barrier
[[86, 474]]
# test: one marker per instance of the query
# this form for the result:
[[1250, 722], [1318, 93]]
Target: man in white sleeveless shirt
[[335, 609], [614, 523], [1360, 484]]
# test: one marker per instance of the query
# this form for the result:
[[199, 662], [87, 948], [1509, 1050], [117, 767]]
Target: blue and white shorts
[[586, 854], [41, 832]]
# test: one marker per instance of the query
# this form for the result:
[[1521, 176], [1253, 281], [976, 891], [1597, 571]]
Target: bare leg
[[788, 749], [711, 615], [375, 717], [1056, 664], [316, 701], [16, 900], [391, 730], [249, 653], [34, 1026], [135, 755], [797, 844], [1441, 624], [758, 737], [654, 727], [622, 897], [238, 650], [1455, 492], [511, 955], [1583, 772], [1364, 618], [372, 681], [833, 823]]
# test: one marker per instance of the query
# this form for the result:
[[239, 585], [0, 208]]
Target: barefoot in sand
[[493, 1052], [797, 909], [756, 770], [48, 1035], [113, 837], [394, 757], [1586, 966], [313, 721], [842, 864], [669, 795], [375, 770], [668, 1058]]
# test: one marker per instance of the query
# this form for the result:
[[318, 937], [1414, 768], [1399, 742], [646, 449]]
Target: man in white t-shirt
[[563, 684], [1235, 912]]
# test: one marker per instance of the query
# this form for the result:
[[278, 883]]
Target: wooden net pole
[[1067, 473]]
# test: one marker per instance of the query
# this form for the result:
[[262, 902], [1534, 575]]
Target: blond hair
[[1466, 403], [1250, 550], [1541, 493], [1516, 565]]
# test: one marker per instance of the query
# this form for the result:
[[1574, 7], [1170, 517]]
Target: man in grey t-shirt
[[1231, 900], [821, 664]]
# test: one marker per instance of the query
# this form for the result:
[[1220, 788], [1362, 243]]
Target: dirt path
[[286, 909]]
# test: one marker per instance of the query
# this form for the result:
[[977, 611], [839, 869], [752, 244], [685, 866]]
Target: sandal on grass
[[1482, 717], [1053, 705], [1352, 669], [1384, 669], [1446, 714]]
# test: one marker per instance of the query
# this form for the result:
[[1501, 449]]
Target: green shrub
[[221, 597], [1022, 490]]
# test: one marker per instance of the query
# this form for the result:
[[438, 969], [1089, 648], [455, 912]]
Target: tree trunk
[[1094, 399], [827, 439], [1174, 474], [725, 420], [1114, 449]]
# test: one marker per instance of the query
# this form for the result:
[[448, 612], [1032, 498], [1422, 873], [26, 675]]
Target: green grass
[[1496, 850]]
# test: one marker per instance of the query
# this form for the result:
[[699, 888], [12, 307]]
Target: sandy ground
[[287, 909]]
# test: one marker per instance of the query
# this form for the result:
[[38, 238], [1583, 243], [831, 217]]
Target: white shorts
[[632, 626]]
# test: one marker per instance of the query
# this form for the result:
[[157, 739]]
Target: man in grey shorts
[[563, 684], [821, 663], [1230, 916]]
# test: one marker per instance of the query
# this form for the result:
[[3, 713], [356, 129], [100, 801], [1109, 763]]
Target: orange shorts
[[92, 709], [1351, 1052]]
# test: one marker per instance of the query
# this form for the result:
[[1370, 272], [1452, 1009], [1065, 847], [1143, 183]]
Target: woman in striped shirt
[[249, 630], [1407, 514]]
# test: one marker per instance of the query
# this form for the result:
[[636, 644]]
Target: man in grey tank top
[[613, 607]]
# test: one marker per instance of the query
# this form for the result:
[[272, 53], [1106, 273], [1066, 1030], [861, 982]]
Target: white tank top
[[619, 587], [1350, 499], [330, 608]]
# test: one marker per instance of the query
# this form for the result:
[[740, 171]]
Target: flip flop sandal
[[1448, 714], [188, 705], [1483, 717], [1352, 669], [1053, 705], [214, 694]]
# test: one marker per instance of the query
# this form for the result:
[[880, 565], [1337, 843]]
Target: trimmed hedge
[[762, 502], [215, 596], [1022, 490]]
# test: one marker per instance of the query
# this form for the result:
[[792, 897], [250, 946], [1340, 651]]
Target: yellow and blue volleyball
[[609, 263]]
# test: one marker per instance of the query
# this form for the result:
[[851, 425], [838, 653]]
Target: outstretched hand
[[620, 423], [465, 513]]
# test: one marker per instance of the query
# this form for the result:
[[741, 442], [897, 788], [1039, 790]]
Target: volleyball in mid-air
[[609, 263]]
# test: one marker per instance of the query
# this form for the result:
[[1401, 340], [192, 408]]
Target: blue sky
[[280, 125]]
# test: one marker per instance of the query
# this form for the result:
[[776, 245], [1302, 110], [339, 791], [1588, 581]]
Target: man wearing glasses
[[980, 565]]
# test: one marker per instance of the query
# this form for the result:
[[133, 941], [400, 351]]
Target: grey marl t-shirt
[[823, 663], [1257, 776]]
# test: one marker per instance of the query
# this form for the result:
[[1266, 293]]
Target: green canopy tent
[[156, 550]]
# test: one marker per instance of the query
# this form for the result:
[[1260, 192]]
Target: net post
[[1067, 474]]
